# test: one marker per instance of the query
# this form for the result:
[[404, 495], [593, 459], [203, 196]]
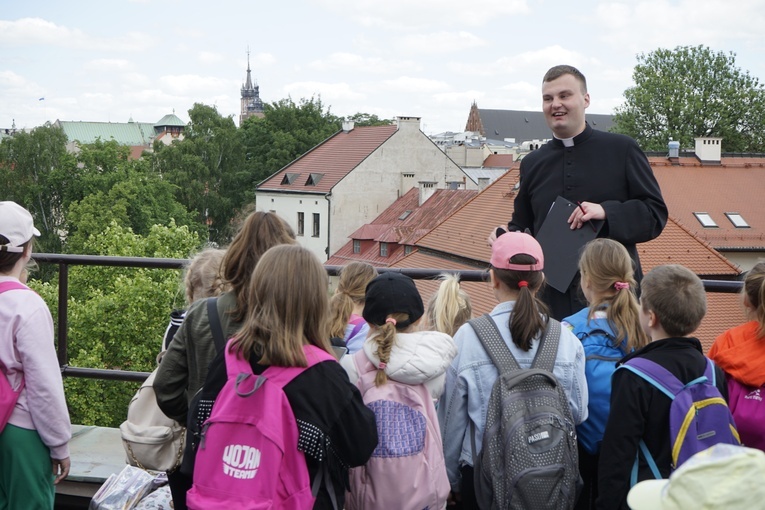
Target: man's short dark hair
[[556, 72], [676, 296]]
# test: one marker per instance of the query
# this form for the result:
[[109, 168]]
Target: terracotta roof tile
[[737, 185], [724, 311], [499, 161], [332, 160]]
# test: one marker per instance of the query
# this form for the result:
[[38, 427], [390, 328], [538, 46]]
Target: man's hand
[[494, 234], [60, 468], [585, 212]]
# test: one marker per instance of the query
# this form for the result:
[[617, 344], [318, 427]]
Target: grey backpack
[[529, 457]]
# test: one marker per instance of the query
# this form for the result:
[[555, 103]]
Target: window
[[383, 249], [408, 175], [356, 246], [289, 178], [737, 220], [404, 215], [705, 219], [408, 249], [301, 224], [315, 225], [313, 179]]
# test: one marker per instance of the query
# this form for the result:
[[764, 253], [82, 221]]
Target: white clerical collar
[[567, 142]]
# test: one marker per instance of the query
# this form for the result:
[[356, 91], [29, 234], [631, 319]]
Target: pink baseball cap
[[511, 244]]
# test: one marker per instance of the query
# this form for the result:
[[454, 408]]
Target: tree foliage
[[286, 131], [365, 119], [206, 168], [117, 316], [689, 92], [36, 171]]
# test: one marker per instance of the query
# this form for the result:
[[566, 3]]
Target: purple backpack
[[9, 396], [749, 412], [698, 417], [248, 455]]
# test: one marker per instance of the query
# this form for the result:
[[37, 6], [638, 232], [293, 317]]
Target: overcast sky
[[108, 60]]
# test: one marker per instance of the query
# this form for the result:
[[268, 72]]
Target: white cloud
[[408, 14], [440, 42], [192, 84], [411, 85], [210, 57], [109, 64], [11, 79], [329, 92], [352, 62], [37, 31]]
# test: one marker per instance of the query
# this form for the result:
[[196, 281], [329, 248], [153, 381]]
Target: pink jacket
[[27, 349]]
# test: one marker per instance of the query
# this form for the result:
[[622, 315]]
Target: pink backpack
[[748, 409], [407, 468], [248, 455], [9, 396]]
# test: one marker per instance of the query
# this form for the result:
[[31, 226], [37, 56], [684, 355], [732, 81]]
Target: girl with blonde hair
[[347, 305], [400, 370], [609, 328], [449, 308], [288, 310]]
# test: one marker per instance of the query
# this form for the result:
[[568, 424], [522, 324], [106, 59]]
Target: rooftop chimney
[[708, 150], [674, 149], [348, 125], [427, 188]]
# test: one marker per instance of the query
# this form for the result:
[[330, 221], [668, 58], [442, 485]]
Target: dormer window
[[313, 179], [737, 220], [404, 215], [289, 178], [705, 219]]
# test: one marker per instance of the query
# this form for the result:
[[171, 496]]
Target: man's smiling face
[[563, 103]]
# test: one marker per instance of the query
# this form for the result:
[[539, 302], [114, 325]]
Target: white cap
[[17, 225], [723, 476]]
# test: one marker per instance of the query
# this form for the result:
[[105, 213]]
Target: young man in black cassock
[[607, 173]]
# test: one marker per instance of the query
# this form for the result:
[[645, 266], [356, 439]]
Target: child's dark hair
[[8, 259], [754, 288], [530, 315]]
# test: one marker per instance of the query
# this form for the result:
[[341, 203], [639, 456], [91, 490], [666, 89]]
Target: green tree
[[693, 91], [365, 119], [207, 169], [117, 316], [286, 131], [35, 171]]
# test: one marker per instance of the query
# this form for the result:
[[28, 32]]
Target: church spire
[[251, 103]]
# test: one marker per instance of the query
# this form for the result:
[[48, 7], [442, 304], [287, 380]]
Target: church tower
[[251, 103]]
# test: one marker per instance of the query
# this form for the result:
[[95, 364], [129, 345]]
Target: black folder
[[561, 245]]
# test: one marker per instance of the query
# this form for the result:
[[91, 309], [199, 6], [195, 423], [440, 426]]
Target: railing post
[[63, 310]]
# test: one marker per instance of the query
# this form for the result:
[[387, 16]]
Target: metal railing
[[64, 261]]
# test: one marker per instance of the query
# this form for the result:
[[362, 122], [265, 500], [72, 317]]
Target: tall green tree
[[286, 131], [35, 171], [366, 119], [207, 169], [693, 91]]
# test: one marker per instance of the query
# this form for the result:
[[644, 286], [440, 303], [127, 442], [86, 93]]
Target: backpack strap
[[656, 375], [12, 285], [649, 459], [493, 343], [358, 323], [281, 376], [547, 350], [215, 327]]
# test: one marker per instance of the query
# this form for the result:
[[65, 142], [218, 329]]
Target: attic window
[[705, 219], [404, 215], [409, 175], [737, 220], [289, 178], [313, 179]]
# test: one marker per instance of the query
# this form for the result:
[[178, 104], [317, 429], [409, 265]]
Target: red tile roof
[[737, 185], [499, 161], [334, 158], [401, 224]]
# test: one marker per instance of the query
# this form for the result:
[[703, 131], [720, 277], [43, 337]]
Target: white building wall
[[289, 205], [385, 176]]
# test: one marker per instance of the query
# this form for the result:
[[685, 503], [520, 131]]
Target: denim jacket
[[471, 376]]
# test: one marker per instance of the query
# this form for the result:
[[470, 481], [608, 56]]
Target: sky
[[112, 60]]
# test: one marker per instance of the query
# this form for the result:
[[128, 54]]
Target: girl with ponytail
[[347, 304], [516, 278], [400, 371], [609, 328]]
